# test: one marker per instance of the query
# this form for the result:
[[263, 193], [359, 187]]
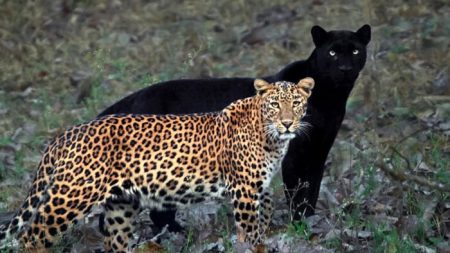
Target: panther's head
[[283, 104], [340, 55]]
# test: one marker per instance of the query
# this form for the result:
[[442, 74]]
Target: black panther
[[334, 64]]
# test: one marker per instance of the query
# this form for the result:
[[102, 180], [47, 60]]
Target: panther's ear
[[319, 35], [363, 34], [262, 86], [306, 85]]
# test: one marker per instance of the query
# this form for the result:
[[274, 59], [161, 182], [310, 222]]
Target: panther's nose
[[345, 67], [287, 123]]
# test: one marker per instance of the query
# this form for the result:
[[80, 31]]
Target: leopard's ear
[[306, 85], [262, 86]]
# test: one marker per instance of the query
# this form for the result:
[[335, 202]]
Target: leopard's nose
[[287, 123]]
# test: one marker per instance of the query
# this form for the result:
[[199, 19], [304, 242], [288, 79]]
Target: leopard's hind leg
[[68, 199], [118, 224], [24, 217]]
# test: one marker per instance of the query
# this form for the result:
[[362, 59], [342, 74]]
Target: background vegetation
[[386, 188]]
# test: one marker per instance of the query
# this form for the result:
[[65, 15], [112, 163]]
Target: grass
[[228, 230], [62, 62], [389, 241], [189, 241], [299, 229]]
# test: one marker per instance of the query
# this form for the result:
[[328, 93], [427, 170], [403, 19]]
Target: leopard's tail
[[27, 213]]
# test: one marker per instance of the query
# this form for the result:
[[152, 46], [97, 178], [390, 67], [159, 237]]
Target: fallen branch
[[402, 176], [163, 231]]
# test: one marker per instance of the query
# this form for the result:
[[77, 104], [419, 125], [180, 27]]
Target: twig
[[291, 197], [401, 176], [163, 231], [422, 129], [155, 238], [408, 164], [423, 248]]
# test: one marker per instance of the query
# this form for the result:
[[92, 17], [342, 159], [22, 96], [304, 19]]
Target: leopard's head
[[283, 104]]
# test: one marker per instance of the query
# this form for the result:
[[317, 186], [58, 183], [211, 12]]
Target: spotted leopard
[[163, 161]]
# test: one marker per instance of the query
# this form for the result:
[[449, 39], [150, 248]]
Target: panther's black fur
[[334, 64]]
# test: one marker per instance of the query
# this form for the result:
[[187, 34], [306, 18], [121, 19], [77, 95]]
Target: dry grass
[[62, 62]]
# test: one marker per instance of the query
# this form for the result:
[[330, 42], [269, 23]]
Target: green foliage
[[227, 243], [4, 141], [300, 229], [225, 230], [440, 159], [389, 241], [93, 102], [189, 241], [6, 249], [335, 243], [370, 183]]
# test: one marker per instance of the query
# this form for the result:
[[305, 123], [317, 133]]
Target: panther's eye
[[296, 103], [355, 51], [332, 53], [275, 104]]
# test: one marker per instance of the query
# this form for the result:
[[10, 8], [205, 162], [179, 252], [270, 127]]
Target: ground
[[387, 184]]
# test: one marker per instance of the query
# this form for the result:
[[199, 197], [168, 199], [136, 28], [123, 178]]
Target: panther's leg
[[163, 218], [265, 211], [118, 224]]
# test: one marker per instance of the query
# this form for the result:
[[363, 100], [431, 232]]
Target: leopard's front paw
[[260, 248]]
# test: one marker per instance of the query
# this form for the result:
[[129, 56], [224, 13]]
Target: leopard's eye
[[355, 51], [275, 104], [296, 103], [332, 53]]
